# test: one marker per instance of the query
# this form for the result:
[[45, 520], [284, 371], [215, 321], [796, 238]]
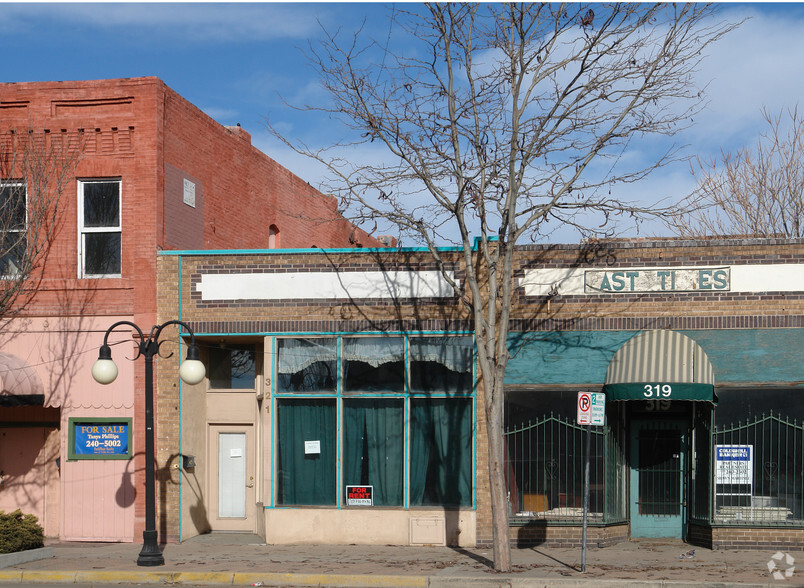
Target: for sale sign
[[734, 464], [359, 495]]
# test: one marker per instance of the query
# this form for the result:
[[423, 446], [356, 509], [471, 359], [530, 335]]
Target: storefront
[[702, 369], [337, 409], [342, 403]]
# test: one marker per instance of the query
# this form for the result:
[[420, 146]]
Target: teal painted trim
[[328, 333], [478, 240], [475, 421], [181, 417], [565, 357], [657, 391], [582, 357], [405, 395], [274, 425], [406, 430], [356, 251], [338, 427]]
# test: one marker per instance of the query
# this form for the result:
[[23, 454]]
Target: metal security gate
[[658, 456], [544, 472]]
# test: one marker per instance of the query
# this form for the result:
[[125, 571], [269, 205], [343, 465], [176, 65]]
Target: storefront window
[[307, 365], [441, 364], [232, 367], [346, 400], [373, 442], [545, 458], [441, 452], [307, 452], [758, 448], [373, 364]]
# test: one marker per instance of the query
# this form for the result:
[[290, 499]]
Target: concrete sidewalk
[[243, 560]]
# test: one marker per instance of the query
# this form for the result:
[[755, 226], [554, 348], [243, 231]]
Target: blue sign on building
[[100, 439]]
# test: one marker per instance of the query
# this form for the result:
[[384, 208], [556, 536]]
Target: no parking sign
[[591, 408]]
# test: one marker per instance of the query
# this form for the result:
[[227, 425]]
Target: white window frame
[[24, 229], [83, 231]]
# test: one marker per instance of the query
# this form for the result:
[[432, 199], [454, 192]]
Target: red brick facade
[[161, 148]]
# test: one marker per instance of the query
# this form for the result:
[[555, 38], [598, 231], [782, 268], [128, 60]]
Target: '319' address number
[[657, 391]]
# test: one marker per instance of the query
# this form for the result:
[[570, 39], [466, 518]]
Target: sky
[[242, 63]]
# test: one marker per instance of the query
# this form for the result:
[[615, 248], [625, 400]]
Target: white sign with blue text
[[734, 464]]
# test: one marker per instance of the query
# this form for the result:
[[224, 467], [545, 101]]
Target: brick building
[[155, 174], [341, 403]]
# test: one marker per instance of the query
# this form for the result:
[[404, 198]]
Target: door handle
[[250, 485]]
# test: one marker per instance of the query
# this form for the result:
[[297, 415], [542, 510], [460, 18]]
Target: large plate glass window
[[373, 447], [387, 417], [13, 230], [307, 452], [441, 452], [758, 447], [100, 228]]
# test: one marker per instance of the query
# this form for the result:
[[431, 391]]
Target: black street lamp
[[192, 371]]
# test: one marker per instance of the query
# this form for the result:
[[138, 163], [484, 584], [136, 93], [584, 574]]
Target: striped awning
[[19, 383], [660, 365]]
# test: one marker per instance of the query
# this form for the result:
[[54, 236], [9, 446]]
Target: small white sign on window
[[189, 193], [236, 452], [312, 447]]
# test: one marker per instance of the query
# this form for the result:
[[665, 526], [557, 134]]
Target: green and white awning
[[660, 365]]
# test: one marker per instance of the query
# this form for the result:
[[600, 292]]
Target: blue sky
[[235, 60]]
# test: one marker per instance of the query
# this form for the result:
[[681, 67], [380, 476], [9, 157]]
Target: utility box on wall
[[427, 531]]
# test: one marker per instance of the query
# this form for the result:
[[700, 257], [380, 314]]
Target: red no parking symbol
[[584, 402]]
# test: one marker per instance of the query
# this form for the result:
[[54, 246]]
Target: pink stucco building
[[155, 174]]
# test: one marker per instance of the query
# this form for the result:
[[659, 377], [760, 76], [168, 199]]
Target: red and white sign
[[591, 408], [360, 496]]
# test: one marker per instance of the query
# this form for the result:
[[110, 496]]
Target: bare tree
[[506, 121], [35, 168], [755, 192]]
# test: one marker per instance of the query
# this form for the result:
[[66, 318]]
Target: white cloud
[[758, 65], [187, 22]]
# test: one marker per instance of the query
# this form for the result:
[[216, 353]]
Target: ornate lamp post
[[192, 371]]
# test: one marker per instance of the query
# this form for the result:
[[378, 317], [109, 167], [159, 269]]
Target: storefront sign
[[100, 439], [734, 464], [359, 495], [658, 280]]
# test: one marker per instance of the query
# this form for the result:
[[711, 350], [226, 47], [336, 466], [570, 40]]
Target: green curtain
[[306, 478], [421, 426], [373, 431], [441, 452]]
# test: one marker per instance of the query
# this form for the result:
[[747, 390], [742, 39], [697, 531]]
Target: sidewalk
[[243, 560]]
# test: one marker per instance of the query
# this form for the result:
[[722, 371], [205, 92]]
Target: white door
[[233, 495]]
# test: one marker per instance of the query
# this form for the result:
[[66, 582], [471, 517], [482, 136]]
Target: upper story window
[[13, 230], [99, 228]]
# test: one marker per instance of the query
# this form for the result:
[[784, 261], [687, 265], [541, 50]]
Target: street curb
[[19, 557], [340, 580], [213, 578]]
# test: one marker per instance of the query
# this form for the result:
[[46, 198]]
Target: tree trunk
[[497, 486]]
